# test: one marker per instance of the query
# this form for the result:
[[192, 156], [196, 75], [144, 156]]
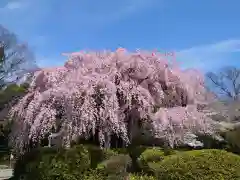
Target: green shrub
[[120, 150], [49, 164], [232, 138], [70, 164], [27, 164], [98, 155], [169, 151], [116, 166], [141, 177], [209, 164], [94, 174], [134, 152], [150, 155]]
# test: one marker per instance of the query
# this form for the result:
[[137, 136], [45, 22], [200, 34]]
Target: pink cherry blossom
[[109, 91]]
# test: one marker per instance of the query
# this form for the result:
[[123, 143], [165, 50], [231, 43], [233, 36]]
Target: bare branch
[[227, 81], [15, 58]]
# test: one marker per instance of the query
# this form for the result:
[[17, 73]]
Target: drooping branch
[[110, 93]]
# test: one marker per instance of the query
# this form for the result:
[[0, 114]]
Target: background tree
[[8, 97], [225, 82], [15, 59]]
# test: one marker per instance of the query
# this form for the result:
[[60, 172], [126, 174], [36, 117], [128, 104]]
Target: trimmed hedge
[[154, 154], [209, 164], [69, 164], [98, 155], [115, 167], [141, 177], [27, 164], [75, 163], [150, 155], [232, 138]]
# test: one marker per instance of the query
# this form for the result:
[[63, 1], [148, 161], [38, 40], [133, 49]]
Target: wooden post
[[49, 140], [11, 159]]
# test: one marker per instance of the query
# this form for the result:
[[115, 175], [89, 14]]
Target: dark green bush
[[120, 150], [114, 167], [232, 138], [208, 164], [98, 155], [70, 164], [64, 164], [153, 154], [141, 177], [49, 164], [150, 155], [28, 163], [94, 174], [134, 152]]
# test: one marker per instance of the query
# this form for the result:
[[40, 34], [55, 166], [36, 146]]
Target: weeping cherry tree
[[106, 93]]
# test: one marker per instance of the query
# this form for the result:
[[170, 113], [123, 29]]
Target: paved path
[[5, 173]]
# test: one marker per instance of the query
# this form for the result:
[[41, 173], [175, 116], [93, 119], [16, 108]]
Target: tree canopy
[[107, 93]]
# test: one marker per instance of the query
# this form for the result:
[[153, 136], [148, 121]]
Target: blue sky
[[204, 34]]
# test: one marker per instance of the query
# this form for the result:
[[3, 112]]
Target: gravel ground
[[5, 173]]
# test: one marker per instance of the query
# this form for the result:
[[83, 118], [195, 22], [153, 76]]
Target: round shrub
[[94, 174], [120, 150], [98, 155], [28, 163], [150, 155], [209, 164], [115, 167], [141, 177], [134, 152], [232, 138], [70, 164], [50, 164]]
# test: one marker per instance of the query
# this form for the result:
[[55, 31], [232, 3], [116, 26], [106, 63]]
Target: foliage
[[210, 142], [8, 96], [98, 155], [141, 177], [232, 137], [150, 155], [115, 166], [153, 154], [94, 174], [11, 94], [198, 165], [49, 164], [28, 164], [78, 162], [113, 93], [120, 150], [134, 152]]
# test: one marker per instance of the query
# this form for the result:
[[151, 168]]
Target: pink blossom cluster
[[108, 91]]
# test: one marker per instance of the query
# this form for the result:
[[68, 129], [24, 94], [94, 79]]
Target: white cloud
[[210, 56], [50, 61], [13, 5]]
